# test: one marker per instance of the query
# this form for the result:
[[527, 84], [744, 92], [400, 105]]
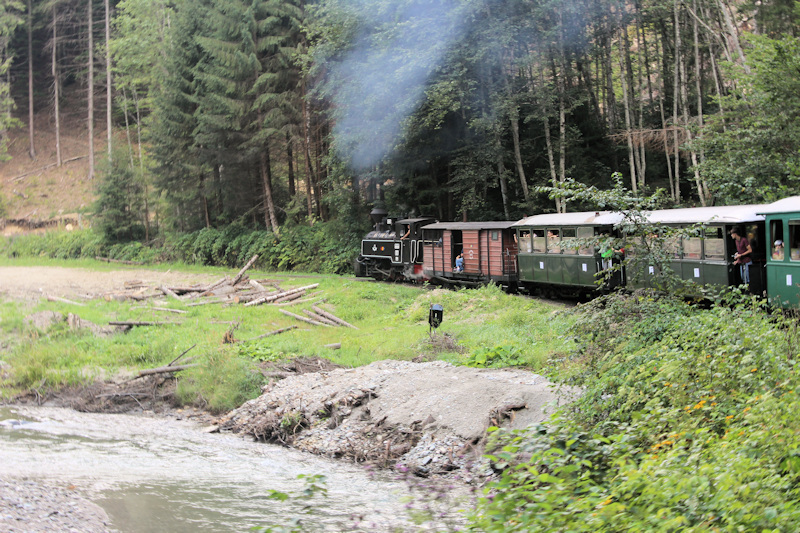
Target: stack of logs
[[239, 289]]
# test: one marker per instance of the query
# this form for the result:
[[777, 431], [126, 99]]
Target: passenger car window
[[794, 240], [714, 243], [553, 241], [539, 241], [585, 234], [778, 244], [568, 241], [525, 241]]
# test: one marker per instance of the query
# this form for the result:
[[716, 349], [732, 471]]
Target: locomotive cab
[[393, 250]]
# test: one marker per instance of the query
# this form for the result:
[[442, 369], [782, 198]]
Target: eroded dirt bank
[[428, 417]]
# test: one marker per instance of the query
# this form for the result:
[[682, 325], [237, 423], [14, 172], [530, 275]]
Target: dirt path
[[32, 283]]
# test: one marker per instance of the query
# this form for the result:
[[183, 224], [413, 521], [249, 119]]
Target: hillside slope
[[38, 190]]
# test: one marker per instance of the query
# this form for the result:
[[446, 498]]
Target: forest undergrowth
[[689, 422]]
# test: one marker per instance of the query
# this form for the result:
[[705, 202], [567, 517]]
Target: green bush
[[689, 421]]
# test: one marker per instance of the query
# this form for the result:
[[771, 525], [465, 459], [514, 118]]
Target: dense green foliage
[[274, 113], [688, 421], [323, 247]]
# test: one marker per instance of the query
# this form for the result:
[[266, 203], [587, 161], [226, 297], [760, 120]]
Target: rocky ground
[[430, 418], [38, 507]]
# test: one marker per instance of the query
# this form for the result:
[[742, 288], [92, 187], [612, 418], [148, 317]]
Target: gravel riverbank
[[39, 507]]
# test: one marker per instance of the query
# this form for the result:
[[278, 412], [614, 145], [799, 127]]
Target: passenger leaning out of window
[[742, 255]]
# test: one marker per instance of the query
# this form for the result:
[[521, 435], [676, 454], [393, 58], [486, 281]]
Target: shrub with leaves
[[689, 422]]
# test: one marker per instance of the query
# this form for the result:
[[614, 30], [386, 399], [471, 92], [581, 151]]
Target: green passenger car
[[556, 253], [783, 259], [707, 256]]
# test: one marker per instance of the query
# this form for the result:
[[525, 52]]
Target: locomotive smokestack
[[378, 214]]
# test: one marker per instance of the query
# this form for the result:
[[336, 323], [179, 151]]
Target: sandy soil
[[32, 283]]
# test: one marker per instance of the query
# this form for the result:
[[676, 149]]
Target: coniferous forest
[[204, 113]]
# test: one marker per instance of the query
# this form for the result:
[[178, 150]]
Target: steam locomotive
[[536, 254]]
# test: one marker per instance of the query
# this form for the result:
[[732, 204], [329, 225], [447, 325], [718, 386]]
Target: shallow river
[[151, 474]]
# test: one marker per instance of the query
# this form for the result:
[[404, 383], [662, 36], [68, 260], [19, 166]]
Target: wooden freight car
[[489, 252]]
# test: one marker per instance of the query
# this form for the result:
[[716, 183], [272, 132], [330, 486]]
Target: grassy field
[[481, 327]]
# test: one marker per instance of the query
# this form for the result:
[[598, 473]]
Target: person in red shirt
[[742, 255]]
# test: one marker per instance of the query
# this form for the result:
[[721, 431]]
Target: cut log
[[272, 298], [169, 292], [209, 302], [319, 318], [165, 309], [295, 302], [302, 318], [271, 333], [289, 298], [244, 269], [259, 286], [222, 290], [132, 323], [63, 301], [205, 291], [109, 260], [331, 316]]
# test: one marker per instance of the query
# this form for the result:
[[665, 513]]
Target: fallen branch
[[302, 318], [63, 301], [244, 269], [51, 165], [331, 316], [164, 370], [276, 332], [182, 354]]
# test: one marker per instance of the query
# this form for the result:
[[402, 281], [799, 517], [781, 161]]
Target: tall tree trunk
[[623, 77], [266, 177], [90, 83], [31, 144], [626, 77], [307, 151], [675, 98], [685, 104], [56, 88], [127, 125], [702, 186], [733, 33], [290, 162], [501, 173], [518, 154], [549, 143], [141, 168], [665, 130], [108, 76]]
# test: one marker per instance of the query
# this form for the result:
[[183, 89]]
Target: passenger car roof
[[503, 224], [787, 205]]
